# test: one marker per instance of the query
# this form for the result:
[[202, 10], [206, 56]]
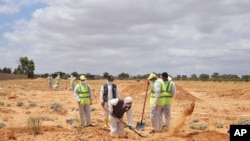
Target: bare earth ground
[[197, 103]]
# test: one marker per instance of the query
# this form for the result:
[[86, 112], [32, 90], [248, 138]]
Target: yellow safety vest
[[161, 100], [168, 95], [83, 93]]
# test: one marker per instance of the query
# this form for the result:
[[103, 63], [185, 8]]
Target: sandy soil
[[212, 105]]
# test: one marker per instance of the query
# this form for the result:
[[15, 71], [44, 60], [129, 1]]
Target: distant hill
[[7, 76]]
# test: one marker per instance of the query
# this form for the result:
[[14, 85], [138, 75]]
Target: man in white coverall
[[157, 101], [83, 96], [117, 108], [108, 91]]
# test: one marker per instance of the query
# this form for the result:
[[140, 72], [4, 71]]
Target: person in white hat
[[117, 108], [108, 91], [157, 101], [83, 96]]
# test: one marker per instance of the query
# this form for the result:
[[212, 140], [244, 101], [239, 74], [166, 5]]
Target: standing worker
[[49, 80], [83, 96], [170, 94], [57, 79], [108, 91], [72, 80], [156, 101], [117, 108]]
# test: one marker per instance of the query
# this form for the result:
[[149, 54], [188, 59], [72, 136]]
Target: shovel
[[140, 125], [127, 125], [113, 115]]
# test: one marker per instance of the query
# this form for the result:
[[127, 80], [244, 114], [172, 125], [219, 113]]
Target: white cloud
[[134, 36]]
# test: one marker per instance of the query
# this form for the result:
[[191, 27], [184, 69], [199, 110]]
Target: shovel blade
[[140, 126]]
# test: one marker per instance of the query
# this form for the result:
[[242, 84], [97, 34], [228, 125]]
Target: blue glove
[[130, 127]]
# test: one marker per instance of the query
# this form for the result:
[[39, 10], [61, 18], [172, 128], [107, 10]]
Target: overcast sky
[[132, 36]]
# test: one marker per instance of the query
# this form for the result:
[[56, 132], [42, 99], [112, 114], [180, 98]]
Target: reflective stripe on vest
[[168, 99], [83, 93]]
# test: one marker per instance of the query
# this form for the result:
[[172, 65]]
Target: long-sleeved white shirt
[[76, 96], [173, 89], [110, 95], [157, 87], [113, 102]]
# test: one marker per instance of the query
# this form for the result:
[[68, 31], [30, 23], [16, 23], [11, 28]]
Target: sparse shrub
[[2, 125], [19, 103], [8, 105], [3, 94], [195, 119], [56, 107], [1, 103], [46, 118], [219, 125], [34, 125], [32, 104], [199, 126], [244, 122]]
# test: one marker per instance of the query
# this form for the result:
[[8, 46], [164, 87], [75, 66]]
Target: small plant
[[19, 103], [199, 126], [32, 104], [1, 103], [56, 107], [244, 122], [77, 123], [194, 119], [219, 125], [46, 118], [3, 94], [34, 125], [2, 125]]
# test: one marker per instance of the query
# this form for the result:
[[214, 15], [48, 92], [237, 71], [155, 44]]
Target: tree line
[[26, 66]]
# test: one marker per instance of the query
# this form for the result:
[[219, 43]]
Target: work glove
[[130, 127]]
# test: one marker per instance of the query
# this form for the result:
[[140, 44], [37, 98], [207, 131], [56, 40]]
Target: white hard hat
[[128, 100]]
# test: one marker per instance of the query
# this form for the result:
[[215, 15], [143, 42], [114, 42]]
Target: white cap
[[128, 100]]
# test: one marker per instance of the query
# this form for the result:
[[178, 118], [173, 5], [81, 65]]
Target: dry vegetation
[[201, 111]]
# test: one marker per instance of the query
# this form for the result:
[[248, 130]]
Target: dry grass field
[[202, 111]]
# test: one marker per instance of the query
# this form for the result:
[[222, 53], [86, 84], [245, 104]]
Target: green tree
[[105, 75], [204, 77], [194, 77], [26, 67], [123, 76]]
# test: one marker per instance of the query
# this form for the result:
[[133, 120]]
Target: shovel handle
[[113, 115], [144, 103]]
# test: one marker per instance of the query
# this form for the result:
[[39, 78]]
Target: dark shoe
[[90, 125], [152, 132], [122, 136]]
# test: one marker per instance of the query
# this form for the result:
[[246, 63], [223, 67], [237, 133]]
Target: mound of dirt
[[245, 96], [184, 95]]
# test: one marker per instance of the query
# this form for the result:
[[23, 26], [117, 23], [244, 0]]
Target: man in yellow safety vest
[[83, 96]]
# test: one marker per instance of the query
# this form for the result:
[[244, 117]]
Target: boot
[[106, 122]]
